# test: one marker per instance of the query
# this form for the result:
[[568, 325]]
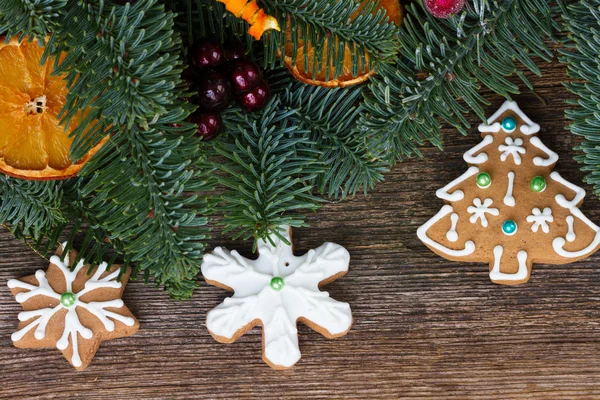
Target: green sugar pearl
[[509, 124], [484, 180], [67, 299], [538, 184], [277, 283]]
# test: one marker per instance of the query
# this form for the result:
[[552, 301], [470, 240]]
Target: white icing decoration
[[559, 242], [482, 157], [422, 234], [490, 127], [72, 325], [570, 234], [521, 274], [278, 311], [560, 199], [539, 161], [478, 209], [512, 147], [540, 219], [457, 194], [451, 235], [509, 200], [528, 128]]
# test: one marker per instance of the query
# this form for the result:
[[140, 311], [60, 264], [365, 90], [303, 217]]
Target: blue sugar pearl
[[509, 227], [509, 124]]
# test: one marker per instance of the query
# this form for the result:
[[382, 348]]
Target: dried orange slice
[[33, 145], [303, 70]]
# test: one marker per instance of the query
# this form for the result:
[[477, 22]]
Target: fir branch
[[29, 17], [268, 166], [332, 28], [147, 166], [141, 203], [442, 66], [123, 72], [582, 22], [209, 18], [327, 26], [31, 208], [330, 117]]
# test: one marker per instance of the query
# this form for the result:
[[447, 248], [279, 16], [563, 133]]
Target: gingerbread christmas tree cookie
[[509, 208], [277, 290], [71, 309]]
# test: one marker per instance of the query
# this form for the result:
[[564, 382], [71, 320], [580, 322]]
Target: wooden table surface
[[425, 328]]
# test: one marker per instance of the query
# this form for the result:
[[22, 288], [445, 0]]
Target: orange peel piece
[[249, 11]]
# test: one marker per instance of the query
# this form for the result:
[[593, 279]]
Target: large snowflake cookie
[[276, 290], [509, 209], [72, 309]]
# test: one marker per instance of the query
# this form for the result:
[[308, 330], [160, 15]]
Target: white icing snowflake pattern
[[540, 219], [277, 289], [72, 325], [479, 209], [512, 147]]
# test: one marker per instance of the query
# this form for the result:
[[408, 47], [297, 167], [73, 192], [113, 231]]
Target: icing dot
[[509, 124], [277, 283], [67, 299], [484, 180], [509, 227], [538, 184]]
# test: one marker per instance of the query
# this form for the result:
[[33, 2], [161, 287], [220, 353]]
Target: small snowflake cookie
[[72, 309], [276, 291], [509, 209]]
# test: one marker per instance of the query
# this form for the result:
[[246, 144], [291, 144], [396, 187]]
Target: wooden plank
[[425, 328]]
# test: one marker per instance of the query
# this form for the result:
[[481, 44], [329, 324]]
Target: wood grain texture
[[425, 327]]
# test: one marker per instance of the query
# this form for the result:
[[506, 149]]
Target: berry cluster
[[220, 73]]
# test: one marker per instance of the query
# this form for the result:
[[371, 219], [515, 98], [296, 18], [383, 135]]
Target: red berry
[[214, 91], [444, 8], [207, 54], [245, 75], [209, 124], [233, 50], [256, 99]]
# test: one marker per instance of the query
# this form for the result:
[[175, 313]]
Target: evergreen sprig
[[443, 64], [318, 120], [275, 161], [31, 207], [326, 30], [581, 20], [267, 168], [30, 17], [330, 116], [123, 71]]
